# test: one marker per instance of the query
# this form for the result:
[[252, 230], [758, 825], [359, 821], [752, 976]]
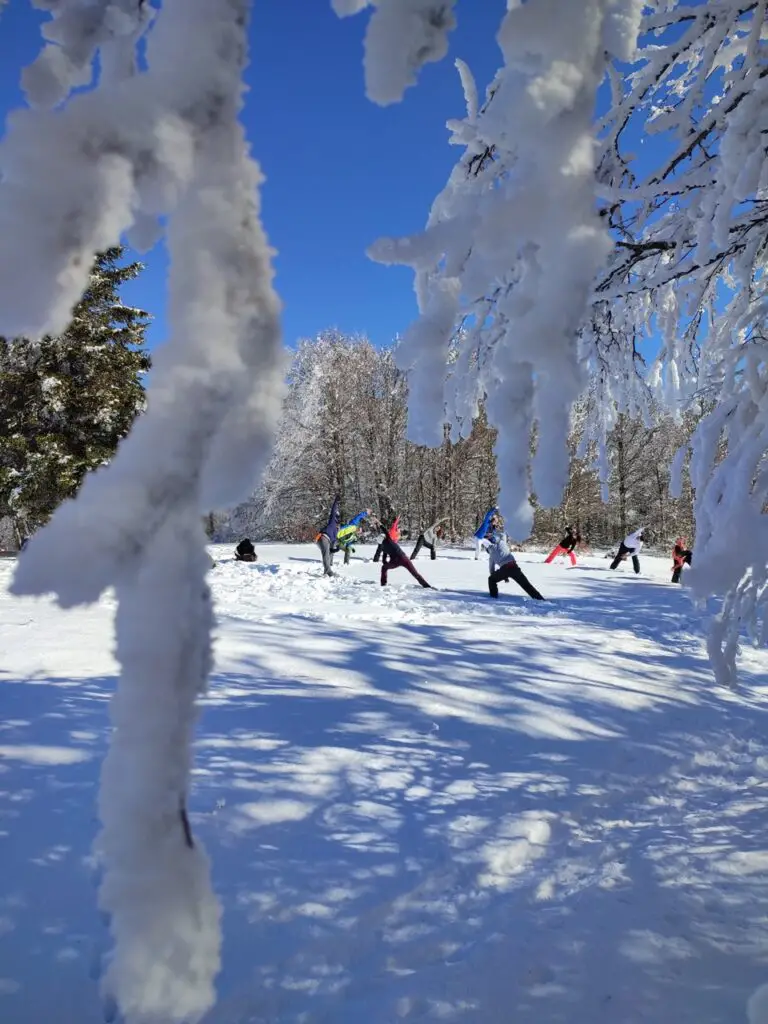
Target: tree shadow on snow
[[407, 824], [52, 739], [553, 816]]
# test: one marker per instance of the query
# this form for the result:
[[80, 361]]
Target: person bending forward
[[681, 556], [428, 539], [565, 547], [503, 566], [630, 546]]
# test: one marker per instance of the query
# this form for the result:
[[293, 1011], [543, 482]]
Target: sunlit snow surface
[[419, 805]]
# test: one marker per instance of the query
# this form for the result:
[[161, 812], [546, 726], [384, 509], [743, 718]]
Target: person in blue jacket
[[487, 526], [326, 539]]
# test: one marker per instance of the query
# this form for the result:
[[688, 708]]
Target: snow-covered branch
[[402, 36], [513, 219], [544, 295], [165, 141], [695, 231]]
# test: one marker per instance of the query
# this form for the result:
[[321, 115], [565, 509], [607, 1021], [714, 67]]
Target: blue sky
[[340, 170]]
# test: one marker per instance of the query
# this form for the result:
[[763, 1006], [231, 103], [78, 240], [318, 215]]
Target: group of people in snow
[[335, 537], [490, 537], [630, 548]]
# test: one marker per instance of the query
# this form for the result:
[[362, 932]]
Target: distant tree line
[[344, 431]]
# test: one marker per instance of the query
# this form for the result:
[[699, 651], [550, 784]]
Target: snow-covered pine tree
[[67, 401]]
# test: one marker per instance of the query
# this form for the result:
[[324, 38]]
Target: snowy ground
[[419, 805]]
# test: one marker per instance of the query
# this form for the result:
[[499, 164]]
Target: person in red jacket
[[681, 556], [393, 533], [566, 546], [393, 557]]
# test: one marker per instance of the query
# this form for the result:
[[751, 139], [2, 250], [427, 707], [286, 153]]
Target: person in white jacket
[[630, 546]]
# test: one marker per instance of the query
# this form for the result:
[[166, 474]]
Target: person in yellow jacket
[[347, 534]]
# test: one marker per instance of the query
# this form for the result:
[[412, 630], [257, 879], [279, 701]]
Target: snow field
[[419, 805]]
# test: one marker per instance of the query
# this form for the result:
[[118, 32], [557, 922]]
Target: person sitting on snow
[[393, 533], [487, 526], [630, 546], [681, 556], [566, 546], [429, 539], [245, 551], [326, 539], [393, 557], [503, 566], [347, 534]]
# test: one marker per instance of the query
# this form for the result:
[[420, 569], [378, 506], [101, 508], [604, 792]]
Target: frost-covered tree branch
[[402, 36], [545, 296], [141, 145], [693, 273], [517, 215]]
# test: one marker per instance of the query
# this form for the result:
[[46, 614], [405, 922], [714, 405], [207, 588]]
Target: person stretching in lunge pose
[[681, 556], [503, 566], [486, 527], [566, 546], [429, 539], [630, 546], [393, 557], [347, 535], [326, 539]]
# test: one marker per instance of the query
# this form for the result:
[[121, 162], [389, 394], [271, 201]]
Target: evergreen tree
[[66, 402]]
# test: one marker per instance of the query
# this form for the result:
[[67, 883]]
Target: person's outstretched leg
[[377, 553], [419, 546], [619, 555], [408, 564], [514, 572], [557, 550]]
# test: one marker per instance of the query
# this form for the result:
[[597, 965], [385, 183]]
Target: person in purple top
[[326, 539]]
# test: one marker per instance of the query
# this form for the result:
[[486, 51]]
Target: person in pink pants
[[565, 547]]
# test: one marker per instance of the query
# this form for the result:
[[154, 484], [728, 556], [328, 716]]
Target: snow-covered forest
[[568, 280], [344, 431]]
